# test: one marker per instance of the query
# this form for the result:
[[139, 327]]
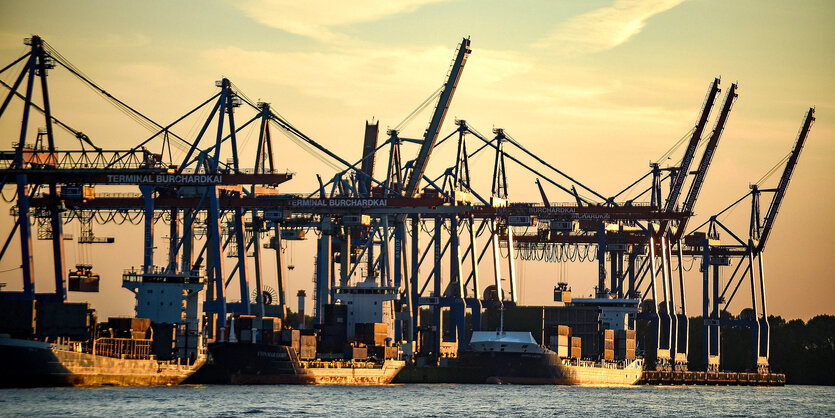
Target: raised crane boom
[[704, 164], [785, 179], [678, 183], [431, 134]]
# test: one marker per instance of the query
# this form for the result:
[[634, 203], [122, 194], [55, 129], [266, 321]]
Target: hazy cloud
[[316, 18], [604, 28], [368, 77]]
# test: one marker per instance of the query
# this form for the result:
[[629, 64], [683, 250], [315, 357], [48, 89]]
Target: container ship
[[295, 361], [114, 362], [340, 351], [516, 358], [44, 342], [580, 353]]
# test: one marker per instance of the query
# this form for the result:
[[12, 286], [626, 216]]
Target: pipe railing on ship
[[127, 348]]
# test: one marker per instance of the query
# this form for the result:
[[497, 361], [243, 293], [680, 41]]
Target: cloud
[[604, 28], [367, 77], [315, 18]]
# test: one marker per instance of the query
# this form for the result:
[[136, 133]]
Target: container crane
[[431, 134], [677, 323], [707, 157], [761, 234], [683, 169], [671, 337]]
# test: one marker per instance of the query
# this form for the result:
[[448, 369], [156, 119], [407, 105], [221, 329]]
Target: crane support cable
[[78, 134], [305, 146], [283, 124], [141, 119], [304, 142], [14, 62], [147, 122], [354, 166], [527, 167], [773, 169], [419, 109], [166, 129], [675, 146], [631, 185], [727, 208], [229, 135], [545, 163]]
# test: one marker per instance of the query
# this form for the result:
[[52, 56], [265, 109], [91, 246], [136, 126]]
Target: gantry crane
[[707, 245]]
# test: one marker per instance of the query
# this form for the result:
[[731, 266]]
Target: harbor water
[[420, 400]]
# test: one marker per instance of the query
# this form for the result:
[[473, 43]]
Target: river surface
[[420, 400]]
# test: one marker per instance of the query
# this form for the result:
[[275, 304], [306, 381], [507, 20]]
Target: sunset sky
[[598, 88]]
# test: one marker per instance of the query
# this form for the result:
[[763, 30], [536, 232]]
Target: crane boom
[[704, 164], [431, 134], [785, 179], [678, 183], [368, 154]]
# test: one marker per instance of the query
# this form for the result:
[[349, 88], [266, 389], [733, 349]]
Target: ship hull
[[25, 363], [521, 368], [263, 364]]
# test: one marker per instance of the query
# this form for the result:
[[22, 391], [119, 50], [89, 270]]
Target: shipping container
[[562, 351], [336, 314], [308, 341], [164, 338], [291, 337], [608, 354], [307, 353], [583, 322], [576, 342], [17, 318], [72, 320], [139, 335], [564, 330], [625, 334], [356, 353], [519, 318], [562, 295], [244, 322], [339, 331], [271, 323], [129, 324], [82, 283], [609, 334], [371, 333]]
